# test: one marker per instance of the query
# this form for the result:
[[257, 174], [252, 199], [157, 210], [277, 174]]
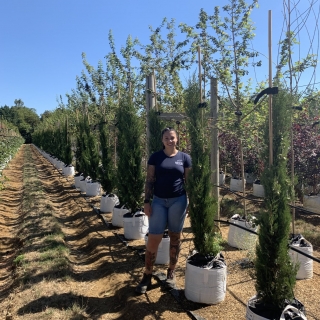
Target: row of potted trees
[[274, 287]]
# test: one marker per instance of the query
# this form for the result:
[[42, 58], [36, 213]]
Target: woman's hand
[[147, 209]]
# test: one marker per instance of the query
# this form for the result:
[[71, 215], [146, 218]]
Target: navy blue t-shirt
[[169, 172]]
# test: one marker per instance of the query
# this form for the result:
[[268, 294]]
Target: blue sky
[[41, 41]]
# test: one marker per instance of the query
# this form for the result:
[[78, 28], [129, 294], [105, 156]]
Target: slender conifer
[[274, 271], [202, 205]]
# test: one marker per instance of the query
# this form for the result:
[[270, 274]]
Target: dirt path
[[94, 274], [10, 220]]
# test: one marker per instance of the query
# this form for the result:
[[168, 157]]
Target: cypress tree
[[275, 274], [106, 170], [89, 156], [67, 154], [79, 148], [202, 205], [155, 128], [129, 172]]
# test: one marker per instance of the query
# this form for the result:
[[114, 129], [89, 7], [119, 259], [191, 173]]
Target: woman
[[167, 171]]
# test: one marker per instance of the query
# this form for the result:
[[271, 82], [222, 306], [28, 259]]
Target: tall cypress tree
[[274, 271], [89, 155], [155, 128], [79, 148], [202, 205], [129, 172], [67, 154], [106, 170]]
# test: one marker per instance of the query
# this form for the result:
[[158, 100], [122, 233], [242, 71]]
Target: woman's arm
[[149, 186], [148, 189], [186, 173]]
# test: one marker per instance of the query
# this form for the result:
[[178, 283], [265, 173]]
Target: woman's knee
[[174, 237]]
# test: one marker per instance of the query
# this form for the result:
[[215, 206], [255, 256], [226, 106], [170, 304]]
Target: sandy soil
[[103, 270]]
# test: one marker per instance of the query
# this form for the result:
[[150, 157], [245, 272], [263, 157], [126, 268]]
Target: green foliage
[[164, 57], [67, 152], [10, 141], [274, 271], [89, 158], [26, 119], [202, 205], [106, 170], [129, 174], [155, 128]]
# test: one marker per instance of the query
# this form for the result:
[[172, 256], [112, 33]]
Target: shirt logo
[[179, 162]]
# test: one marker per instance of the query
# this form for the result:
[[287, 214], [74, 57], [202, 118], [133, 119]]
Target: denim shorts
[[167, 213]]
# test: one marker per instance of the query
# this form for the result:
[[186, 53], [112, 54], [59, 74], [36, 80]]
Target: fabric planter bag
[[135, 226], [108, 201], [236, 185], [77, 179], [258, 190], [240, 238], [206, 283], [68, 171], [250, 177], [93, 188], [312, 203], [117, 215], [59, 165], [256, 311], [83, 184], [163, 253], [305, 270], [222, 179]]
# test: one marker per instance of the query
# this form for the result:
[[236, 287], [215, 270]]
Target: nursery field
[[60, 259]]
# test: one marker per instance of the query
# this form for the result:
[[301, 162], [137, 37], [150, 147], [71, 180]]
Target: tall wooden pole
[[270, 85], [155, 90], [150, 105], [215, 141]]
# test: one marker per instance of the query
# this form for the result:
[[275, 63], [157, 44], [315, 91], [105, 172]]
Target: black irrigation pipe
[[254, 232], [262, 201]]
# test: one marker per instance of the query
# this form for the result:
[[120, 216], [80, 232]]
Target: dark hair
[[167, 130]]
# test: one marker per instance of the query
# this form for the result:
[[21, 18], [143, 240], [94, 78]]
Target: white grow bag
[[117, 216], [305, 270], [222, 179], [258, 190], [240, 238], [163, 253], [136, 226], [108, 201], [93, 189], [312, 203], [77, 180], [83, 184], [59, 165], [205, 285], [236, 185], [250, 177], [68, 171]]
